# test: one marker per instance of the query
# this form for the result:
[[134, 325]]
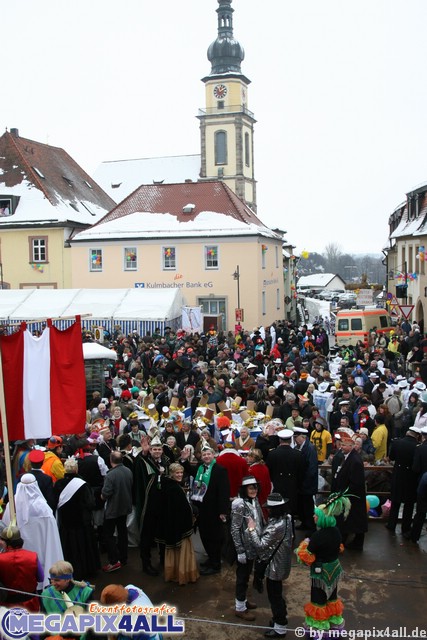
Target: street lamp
[[236, 276]]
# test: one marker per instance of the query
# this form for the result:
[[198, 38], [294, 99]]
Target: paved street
[[386, 585]]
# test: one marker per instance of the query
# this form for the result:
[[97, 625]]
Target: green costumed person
[[321, 553]]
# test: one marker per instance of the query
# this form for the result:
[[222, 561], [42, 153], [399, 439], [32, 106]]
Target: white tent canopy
[[95, 351], [140, 309]]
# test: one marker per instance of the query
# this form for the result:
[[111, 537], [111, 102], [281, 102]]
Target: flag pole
[[13, 323], [5, 435]]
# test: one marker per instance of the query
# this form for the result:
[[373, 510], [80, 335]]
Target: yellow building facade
[[220, 261]]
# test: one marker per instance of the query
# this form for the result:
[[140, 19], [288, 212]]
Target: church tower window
[[220, 147]]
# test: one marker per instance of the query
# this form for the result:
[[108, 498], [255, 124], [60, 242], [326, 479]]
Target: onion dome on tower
[[225, 54]]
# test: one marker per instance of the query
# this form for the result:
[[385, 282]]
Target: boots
[[245, 615]]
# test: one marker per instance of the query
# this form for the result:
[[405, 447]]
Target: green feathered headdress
[[337, 504]]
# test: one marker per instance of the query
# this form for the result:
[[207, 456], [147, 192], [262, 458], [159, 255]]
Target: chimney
[[15, 132]]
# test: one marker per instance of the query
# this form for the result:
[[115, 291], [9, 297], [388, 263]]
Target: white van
[[353, 325]]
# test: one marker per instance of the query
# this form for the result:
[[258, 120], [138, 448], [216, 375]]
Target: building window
[[264, 303], [130, 259], [169, 258], [38, 248], [420, 260], [277, 256], [95, 260], [264, 249], [277, 298], [211, 257], [220, 147], [247, 150]]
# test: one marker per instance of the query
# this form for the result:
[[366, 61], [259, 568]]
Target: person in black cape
[[74, 513]]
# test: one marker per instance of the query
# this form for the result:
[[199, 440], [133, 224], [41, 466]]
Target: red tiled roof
[[212, 195], [63, 178]]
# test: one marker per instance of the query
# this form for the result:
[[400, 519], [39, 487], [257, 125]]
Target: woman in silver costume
[[274, 547], [242, 508]]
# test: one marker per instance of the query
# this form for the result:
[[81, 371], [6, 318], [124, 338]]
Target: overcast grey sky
[[338, 90]]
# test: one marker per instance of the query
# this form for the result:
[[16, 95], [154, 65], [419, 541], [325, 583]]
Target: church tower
[[226, 124]]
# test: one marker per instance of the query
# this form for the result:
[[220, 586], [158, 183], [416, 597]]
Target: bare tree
[[332, 255]]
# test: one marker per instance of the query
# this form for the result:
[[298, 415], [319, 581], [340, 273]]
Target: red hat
[[36, 455], [126, 394]]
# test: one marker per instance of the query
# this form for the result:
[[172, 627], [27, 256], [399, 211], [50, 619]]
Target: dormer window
[[68, 181], [8, 205]]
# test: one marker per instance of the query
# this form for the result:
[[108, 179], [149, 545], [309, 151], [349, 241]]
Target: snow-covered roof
[[117, 304], [95, 351], [119, 178], [409, 228], [46, 186], [317, 280], [157, 211], [165, 225]]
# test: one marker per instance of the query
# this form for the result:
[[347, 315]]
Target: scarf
[[201, 483], [69, 490]]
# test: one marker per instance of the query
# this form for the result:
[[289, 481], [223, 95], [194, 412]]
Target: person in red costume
[[235, 466], [259, 470], [20, 571]]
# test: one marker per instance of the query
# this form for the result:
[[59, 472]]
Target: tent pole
[[5, 435]]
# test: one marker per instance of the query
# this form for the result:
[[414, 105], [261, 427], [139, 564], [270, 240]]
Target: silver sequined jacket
[[241, 509], [276, 531]]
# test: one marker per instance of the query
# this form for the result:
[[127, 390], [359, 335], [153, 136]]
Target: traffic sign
[[406, 309]]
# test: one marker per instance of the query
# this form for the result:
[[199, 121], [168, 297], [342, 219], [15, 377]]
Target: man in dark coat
[[267, 440], [148, 468], [211, 497], [187, 435], [342, 412], [350, 475], [117, 493], [420, 514], [309, 485], [403, 481], [420, 456], [286, 469]]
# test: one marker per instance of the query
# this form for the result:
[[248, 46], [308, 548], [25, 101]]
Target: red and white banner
[[44, 382]]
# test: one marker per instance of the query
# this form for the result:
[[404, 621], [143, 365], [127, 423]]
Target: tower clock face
[[220, 91]]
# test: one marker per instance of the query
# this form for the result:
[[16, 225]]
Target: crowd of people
[[235, 436]]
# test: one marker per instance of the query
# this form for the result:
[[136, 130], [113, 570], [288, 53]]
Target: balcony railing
[[226, 109]]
